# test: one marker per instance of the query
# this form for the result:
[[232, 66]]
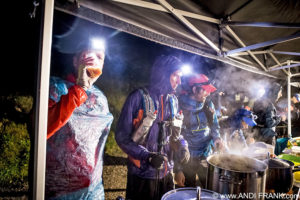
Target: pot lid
[[190, 193], [278, 163]]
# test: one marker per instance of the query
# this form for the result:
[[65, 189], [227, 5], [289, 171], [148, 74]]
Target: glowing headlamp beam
[[98, 44], [186, 69]]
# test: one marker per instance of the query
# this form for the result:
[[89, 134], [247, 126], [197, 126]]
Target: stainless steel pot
[[280, 177], [189, 193], [235, 174]]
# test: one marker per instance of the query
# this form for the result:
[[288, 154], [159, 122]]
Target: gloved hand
[[83, 80], [157, 160], [141, 132]]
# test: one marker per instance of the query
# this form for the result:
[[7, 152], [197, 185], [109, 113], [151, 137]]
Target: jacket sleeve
[[60, 112], [215, 128], [125, 128], [272, 119], [242, 138]]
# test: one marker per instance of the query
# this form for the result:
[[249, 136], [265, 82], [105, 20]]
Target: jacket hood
[[187, 103], [161, 71]]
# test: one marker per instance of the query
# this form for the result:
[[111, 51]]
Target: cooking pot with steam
[[236, 174]]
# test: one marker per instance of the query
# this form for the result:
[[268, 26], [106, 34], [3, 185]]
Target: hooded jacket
[[197, 132], [161, 92], [266, 112]]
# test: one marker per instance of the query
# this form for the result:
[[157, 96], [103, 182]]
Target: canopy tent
[[260, 36]]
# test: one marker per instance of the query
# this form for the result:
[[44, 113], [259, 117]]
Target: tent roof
[[261, 36]]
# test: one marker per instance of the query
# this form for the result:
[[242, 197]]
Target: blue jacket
[[232, 130], [159, 86], [197, 132]]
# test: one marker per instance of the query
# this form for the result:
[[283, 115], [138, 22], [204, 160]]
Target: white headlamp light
[[186, 70], [97, 44]]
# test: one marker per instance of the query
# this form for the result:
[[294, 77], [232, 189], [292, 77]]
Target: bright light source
[[98, 44], [186, 69], [261, 92]]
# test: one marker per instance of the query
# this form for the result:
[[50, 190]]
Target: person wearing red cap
[[201, 130]]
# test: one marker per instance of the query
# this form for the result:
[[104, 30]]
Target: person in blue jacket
[[233, 129], [148, 130], [201, 130]]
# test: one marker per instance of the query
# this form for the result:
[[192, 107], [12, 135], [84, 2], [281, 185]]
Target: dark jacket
[[267, 118], [159, 87]]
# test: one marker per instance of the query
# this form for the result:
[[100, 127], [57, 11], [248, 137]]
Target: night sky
[[20, 40]]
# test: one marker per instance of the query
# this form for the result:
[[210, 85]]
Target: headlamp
[[97, 44], [186, 70]]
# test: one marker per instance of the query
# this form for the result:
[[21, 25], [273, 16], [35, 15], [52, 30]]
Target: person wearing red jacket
[[78, 124]]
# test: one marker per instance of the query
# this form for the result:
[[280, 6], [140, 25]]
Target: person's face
[[294, 100], [175, 79], [91, 58], [200, 94], [244, 125]]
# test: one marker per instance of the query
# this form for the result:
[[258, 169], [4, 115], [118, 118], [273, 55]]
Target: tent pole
[[262, 24], [243, 45], [266, 51], [286, 53], [240, 8], [297, 74], [277, 61], [154, 6], [41, 109], [188, 24], [285, 66], [264, 44], [289, 104]]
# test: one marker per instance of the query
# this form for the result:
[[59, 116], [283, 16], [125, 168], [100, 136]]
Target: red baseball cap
[[203, 81]]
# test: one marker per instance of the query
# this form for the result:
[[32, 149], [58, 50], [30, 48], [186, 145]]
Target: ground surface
[[114, 177]]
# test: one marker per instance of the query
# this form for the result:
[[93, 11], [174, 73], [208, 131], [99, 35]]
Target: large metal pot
[[189, 193], [280, 175], [238, 175]]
